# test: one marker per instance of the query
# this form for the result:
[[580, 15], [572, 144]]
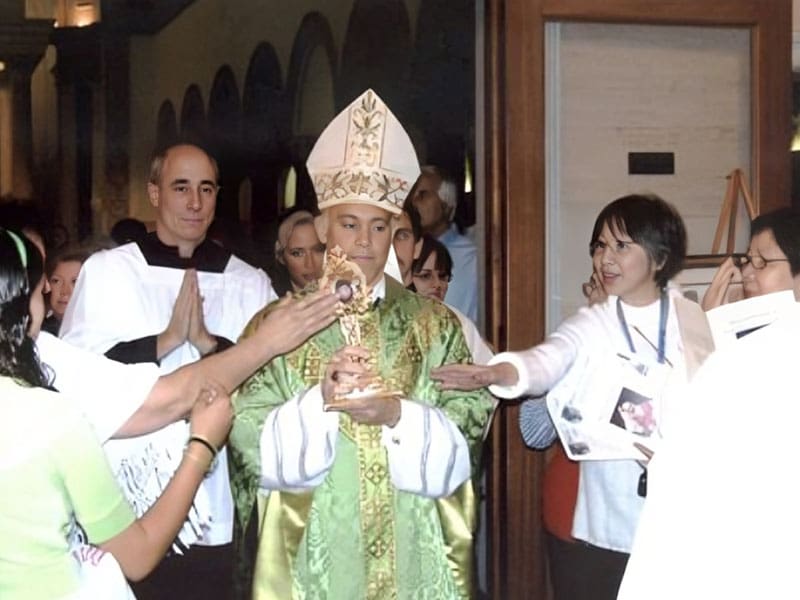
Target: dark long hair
[[430, 245], [21, 269]]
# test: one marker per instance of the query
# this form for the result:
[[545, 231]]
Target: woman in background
[[62, 273], [298, 253], [637, 245], [772, 262], [431, 273], [432, 270]]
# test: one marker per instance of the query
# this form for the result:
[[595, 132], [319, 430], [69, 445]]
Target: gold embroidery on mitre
[[377, 164]]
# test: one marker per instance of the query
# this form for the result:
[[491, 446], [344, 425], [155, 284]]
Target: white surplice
[[119, 297], [720, 519]]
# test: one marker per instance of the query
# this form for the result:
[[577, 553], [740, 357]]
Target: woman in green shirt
[[53, 473]]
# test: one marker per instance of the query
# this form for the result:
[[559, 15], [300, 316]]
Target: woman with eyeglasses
[[637, 245], [432, 270], [738, 507], [772, 262], [431, 273]]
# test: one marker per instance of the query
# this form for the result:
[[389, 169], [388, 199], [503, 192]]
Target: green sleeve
[[272, 385], [470, 411]]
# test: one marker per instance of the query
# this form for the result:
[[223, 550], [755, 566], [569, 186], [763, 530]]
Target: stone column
[[22, 45]]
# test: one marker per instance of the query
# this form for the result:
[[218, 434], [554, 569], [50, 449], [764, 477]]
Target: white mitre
[[364, 156]]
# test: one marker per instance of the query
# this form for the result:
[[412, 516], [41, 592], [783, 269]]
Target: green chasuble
[[356, 535]]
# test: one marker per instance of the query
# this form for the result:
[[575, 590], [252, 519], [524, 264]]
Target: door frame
[[514, 192]]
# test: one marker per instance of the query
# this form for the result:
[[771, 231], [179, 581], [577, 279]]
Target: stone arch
[[265, 131], [166, 125], [311, 94], [224, 140], [264, 109], [193, 116]]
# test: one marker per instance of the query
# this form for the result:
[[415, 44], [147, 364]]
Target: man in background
[[171, 298], [435, 196], [407, 241]]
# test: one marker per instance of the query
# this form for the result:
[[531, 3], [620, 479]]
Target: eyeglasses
[[758, 262], [429, 275]]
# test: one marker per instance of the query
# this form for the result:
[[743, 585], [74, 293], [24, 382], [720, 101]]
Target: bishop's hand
[[351, 386]]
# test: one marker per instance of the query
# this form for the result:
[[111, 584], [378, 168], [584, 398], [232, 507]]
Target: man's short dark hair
[[653, 224], [784, 224]]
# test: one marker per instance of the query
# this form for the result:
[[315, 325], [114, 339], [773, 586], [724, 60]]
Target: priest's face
[[185, 196], [364, 232]]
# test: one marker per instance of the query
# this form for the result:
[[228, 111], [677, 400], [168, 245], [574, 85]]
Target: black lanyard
[[662, 326]]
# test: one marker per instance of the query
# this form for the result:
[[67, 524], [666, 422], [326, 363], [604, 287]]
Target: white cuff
[[521, 386], [298, 443], [427, 453], [108, 392]]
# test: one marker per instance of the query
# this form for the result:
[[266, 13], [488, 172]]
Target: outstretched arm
[[286, 325], [142, 545], [435, 445], [474, 377]]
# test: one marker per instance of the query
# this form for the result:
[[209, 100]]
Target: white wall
[[796, 35], [633, 88]]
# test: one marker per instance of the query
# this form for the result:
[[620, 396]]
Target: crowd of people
[[179, 424]]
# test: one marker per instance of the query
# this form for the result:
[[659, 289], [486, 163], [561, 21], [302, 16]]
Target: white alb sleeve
[[427, 453], [519, 388], [298, 443]]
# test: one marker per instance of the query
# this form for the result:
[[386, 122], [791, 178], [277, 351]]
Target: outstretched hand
[[291, 322], [473, 377], [212, 414]]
